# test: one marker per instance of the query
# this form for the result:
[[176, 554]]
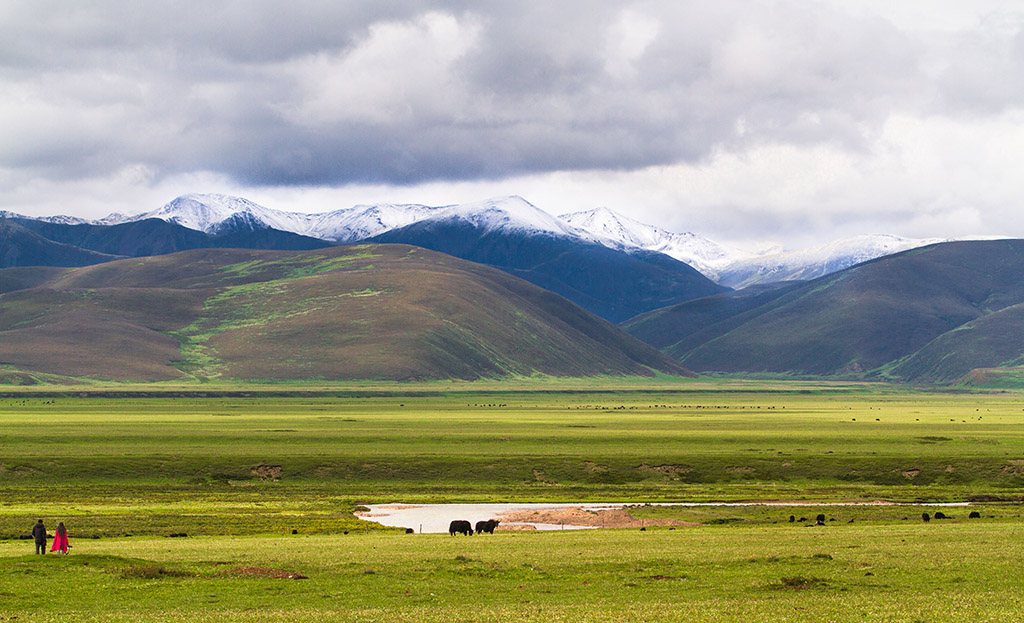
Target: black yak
[[460, 526], [487, 526]]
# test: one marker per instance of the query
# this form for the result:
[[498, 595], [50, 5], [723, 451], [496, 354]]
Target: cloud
[[779, 113], [416, 92]]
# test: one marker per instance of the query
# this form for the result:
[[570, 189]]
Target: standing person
[[60, 539], [39, 534]]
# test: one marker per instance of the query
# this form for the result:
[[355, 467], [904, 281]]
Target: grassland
[[127, 467], [949, 572]]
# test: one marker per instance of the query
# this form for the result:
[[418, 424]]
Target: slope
[[20, 246], [515, 237], [993, 340], [365, 312], [874, 314], [697, 321], [102, 243]]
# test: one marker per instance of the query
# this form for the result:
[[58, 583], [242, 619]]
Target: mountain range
[[353, 312], [930, 315], [507, 233], [218, 214]]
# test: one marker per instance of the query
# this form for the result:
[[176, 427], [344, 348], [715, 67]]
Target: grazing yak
[[487, 526], [460, 526]]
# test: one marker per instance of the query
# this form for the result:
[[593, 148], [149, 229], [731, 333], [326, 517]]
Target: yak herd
[[461, 526]]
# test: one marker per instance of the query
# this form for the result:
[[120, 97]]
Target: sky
[[749, 122]]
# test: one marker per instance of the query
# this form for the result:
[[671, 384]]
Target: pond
[[434, 518]]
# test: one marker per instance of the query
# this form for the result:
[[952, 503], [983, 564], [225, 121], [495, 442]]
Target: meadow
[[268, 478]]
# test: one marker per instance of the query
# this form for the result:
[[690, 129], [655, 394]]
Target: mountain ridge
[[931, 314], [725, 265]]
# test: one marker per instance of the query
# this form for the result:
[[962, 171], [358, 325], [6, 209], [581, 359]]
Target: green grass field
[[125, 468], [950, 572]]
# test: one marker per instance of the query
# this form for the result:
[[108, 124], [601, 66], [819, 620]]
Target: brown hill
[[363, 312]]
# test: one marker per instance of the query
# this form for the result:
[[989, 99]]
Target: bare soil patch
[[673, 472], [266, 472], [1015, 468], [267, 572], [576, 516]]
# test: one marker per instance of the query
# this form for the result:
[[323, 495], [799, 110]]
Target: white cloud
[[398, 73], [739, 120]]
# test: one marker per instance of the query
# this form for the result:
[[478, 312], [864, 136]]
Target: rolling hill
[[364, 312], [927, 315]]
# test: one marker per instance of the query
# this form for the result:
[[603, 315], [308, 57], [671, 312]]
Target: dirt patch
[[267, 572], [266, 472], [514, 527], [673, 472], [1015, 468], [740, 469], [575, 516], [593, 468], [910, 474], [540, 476]]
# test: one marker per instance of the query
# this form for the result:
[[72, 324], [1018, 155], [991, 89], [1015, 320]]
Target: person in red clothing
[[60, 539]]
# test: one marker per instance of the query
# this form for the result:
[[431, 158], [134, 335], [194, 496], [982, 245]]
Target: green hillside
[[930, 314], [369, 312], [994, 340]]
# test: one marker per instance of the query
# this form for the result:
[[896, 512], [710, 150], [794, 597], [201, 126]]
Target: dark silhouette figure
[[925, 517], [39, 534], [974, 515], [487, 526], [460, 526]]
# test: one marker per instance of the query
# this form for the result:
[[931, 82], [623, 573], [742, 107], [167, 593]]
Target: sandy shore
[[576, 516]]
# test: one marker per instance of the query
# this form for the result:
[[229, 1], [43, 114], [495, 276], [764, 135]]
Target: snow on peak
[[204, 212], [819, 260], [616, 230], [510, 214], [60, 219], [365, 221], [616, 227]]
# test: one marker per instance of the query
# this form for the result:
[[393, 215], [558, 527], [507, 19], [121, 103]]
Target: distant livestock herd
[[461, 526]]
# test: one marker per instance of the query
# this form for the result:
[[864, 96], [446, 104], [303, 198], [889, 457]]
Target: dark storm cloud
[[310, 93]]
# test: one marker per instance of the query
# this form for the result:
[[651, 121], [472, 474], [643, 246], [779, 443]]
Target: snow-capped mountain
[[209, 212], [216, 214], [816, 261], [365, 221], [735, 268], [220, 214], [607, 226], [509, 214], [60, 219]]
